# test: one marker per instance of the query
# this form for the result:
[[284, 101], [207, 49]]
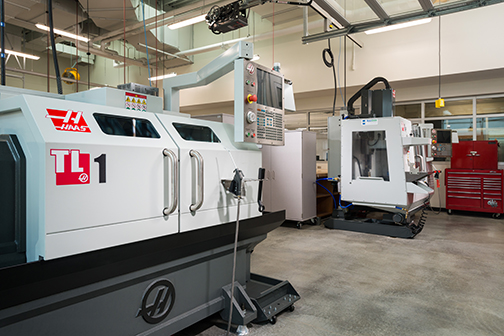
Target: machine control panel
[[260, 106], [441, 143]]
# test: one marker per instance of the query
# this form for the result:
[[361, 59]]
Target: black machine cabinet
[[12, 202]]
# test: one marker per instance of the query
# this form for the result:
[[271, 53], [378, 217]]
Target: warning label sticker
[[68, 120], [135, 102]]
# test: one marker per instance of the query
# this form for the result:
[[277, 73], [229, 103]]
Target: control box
[[259, 104], [441, 143]]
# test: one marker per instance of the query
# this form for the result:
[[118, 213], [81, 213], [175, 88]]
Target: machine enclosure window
[[126, 126], [196, 133], [369, 155]]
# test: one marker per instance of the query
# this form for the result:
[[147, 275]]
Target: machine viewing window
[[126, 126], [369, 156], [196, 133], [269, 89]]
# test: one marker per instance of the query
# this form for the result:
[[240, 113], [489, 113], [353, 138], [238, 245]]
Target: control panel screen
[[269, 89], [444, 136]]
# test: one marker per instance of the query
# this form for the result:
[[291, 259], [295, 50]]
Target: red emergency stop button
[[251, 98]]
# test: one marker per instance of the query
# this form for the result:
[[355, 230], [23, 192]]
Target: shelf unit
[[325, 203]]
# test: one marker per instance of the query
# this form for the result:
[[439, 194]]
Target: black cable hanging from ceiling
[[2, 39], [53, 46]]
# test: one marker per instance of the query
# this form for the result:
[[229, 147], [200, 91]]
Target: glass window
[[369, 156], [463, 126], [295, 120], [492, 129], [451, 108], [319, 118], [490, 105], [408, 111], [196, 133], [125, 126], [394, 7]]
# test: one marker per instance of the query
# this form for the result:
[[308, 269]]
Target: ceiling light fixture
[[188, 22], [256, 57], [398, 26], [63, 33], [173, 74], [20, 54]]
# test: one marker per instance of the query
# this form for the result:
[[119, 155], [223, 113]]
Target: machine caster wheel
[[315, 221], [292, 308], [299, 225], [272, 320], [496, 215], [449, 211]]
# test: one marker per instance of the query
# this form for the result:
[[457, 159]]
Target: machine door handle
[[200, 182], [170, 194]]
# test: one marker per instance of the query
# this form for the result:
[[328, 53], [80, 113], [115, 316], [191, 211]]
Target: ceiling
[[112, 20]]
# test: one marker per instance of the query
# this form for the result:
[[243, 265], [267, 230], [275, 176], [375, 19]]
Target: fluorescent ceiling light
[[256, 57], [398, 26], [63, 33], [188, 22], [173, 74], [15, 53]]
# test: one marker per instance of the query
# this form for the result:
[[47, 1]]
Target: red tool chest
[[474, 190], [474, 183]]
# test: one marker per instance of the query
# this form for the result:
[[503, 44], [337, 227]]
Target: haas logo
[[71, 166], [157, 301], [68, 120]]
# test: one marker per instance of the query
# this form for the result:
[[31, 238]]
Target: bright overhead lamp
[[256, 57], [63, 33], [173, 74], [20, 54], [398, 26], [188, 22]]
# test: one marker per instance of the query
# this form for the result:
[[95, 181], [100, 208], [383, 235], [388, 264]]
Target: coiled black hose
[[53, 47], [330, 64]]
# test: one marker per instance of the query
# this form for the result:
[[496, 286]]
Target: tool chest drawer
[[474, 190]]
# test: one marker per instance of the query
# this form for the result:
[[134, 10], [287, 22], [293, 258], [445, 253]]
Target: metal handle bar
[[199, 200], [169, 208]]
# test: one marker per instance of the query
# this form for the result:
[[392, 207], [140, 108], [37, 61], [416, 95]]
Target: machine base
[[373, 226], [156, 287], [270, 297]]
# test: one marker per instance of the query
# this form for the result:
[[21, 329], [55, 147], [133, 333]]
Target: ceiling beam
[[426, 5], [441, 10], [329, 12], [378, 9]]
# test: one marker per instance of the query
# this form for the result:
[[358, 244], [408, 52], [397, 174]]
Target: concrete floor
[[449, 280]]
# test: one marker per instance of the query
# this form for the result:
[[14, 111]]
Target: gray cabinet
[[290, 176]]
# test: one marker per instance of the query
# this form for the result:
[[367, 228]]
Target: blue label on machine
[[367, 122]]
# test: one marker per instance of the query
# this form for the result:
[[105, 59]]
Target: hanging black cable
[[2, 39], [53, 47], [330, 64]]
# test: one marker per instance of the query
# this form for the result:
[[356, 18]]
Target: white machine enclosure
[[73, 175], [384, 180]]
